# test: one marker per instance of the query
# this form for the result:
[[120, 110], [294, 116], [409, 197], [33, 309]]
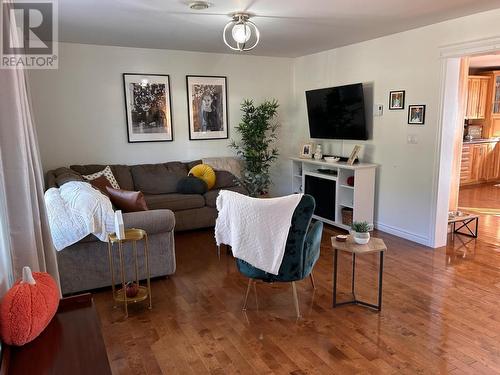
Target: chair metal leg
[[218, 252], [247, 293], [295, 299], [313, 284], [255, 293]]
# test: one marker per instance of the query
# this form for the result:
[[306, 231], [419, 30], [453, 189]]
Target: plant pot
[[361, 238]]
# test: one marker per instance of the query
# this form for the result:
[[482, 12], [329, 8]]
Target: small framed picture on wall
[[207, 107], [148, 109], [397, 100], [416, 114]]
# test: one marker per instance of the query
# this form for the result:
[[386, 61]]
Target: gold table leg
[[122, 271], [112, 271], [148, 276]]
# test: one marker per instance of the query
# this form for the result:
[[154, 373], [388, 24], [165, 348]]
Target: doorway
[[478, 190], [468, 175]]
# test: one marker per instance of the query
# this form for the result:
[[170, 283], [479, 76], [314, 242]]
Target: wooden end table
[[375, 245], [72, 344]]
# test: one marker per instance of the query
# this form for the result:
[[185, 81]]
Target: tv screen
[[337, 112]]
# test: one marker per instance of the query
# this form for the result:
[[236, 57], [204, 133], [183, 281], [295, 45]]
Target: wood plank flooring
[[440, 315], [483, 199]]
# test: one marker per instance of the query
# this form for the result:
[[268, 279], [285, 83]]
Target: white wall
[[80, 111], [81, 119], [409, 61]]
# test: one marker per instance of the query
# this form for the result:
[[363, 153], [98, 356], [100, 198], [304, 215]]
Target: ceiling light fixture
[[244, 33], [199, 5]]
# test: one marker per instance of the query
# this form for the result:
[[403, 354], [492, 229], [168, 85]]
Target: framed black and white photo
[[207, 107], [416, 114], [147, 103], [397, 99], [306, 151]]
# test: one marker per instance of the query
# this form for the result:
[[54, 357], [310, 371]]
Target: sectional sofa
[[85, 265]]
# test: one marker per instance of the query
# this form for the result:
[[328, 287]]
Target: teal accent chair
[[301, 252]]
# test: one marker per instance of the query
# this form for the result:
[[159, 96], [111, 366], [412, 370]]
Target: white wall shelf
[[360, 197]]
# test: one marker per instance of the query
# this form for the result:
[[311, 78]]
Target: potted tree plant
[[360, 232], [258, 133]]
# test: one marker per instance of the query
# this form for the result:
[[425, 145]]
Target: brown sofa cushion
[[126, 200], [63, 175], [224, 179], [193, 163], [156, 178], [121, 173], [101, 183], [211, 196], [174, 202], [177, 167]]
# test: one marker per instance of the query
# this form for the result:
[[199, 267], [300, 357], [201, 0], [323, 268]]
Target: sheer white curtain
[[21, 178], [6, 276]]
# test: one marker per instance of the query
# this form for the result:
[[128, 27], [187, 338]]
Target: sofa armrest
[[152, 221]]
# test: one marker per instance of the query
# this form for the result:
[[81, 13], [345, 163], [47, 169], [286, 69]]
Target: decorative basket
[[347, 216]]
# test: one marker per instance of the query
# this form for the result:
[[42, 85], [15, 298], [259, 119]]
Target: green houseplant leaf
[[258, 131], [360, 226]]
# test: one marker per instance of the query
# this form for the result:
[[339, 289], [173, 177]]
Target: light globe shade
[[241, 33]]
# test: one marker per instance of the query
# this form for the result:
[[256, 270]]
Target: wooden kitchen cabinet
[[491, 124], [477, 97], [465, 165], [480, 163]]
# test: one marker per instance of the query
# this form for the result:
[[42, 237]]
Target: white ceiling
[[288, 27]]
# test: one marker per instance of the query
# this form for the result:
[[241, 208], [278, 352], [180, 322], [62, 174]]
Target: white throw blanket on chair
[[256, 229], [76, 210]]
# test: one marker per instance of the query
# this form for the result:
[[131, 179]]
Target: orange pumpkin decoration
[[28, 307]]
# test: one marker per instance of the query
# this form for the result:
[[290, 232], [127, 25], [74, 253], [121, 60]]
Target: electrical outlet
[[378, 110], [412, 139]]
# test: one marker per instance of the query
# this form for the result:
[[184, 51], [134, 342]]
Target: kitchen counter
[[481, 140]]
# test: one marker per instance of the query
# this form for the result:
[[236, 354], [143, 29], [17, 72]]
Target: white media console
[[360, 197]]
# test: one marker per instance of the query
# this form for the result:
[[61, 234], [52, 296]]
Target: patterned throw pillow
[[106, 172]]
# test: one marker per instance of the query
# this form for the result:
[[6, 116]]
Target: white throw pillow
[[107, 173]]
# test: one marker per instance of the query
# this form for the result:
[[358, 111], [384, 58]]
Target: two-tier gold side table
[[131, 235]]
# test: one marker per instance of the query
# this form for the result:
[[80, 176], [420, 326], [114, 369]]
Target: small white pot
[[361, 238]]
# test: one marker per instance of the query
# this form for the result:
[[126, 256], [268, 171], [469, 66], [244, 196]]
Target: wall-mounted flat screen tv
[[337, 112]]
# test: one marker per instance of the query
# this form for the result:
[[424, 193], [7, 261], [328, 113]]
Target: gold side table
[[131, 235]]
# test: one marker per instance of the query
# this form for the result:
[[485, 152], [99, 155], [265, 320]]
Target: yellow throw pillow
[[205, 172]]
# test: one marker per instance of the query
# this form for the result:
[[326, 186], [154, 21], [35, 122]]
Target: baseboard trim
[[403, 234]]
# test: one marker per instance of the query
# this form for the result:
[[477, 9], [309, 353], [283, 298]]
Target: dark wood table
[[71, 344]]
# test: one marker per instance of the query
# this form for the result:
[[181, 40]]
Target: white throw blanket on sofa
[[256, 229], [76, 210]]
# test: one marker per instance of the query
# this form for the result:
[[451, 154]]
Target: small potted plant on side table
[[360, 232]]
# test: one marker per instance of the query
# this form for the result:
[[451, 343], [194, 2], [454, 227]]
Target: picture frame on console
[[207, 107], [416, 114], [306, 152], [397, 100], [354, 155], [148, 107]]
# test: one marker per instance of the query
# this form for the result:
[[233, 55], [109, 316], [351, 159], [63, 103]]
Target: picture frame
[[354, 155], [306, 152], [397, 100], [416, 114], [207, 107], [148, 107]]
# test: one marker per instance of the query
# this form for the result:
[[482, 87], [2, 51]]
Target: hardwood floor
[[440, 314], [483, 199]]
